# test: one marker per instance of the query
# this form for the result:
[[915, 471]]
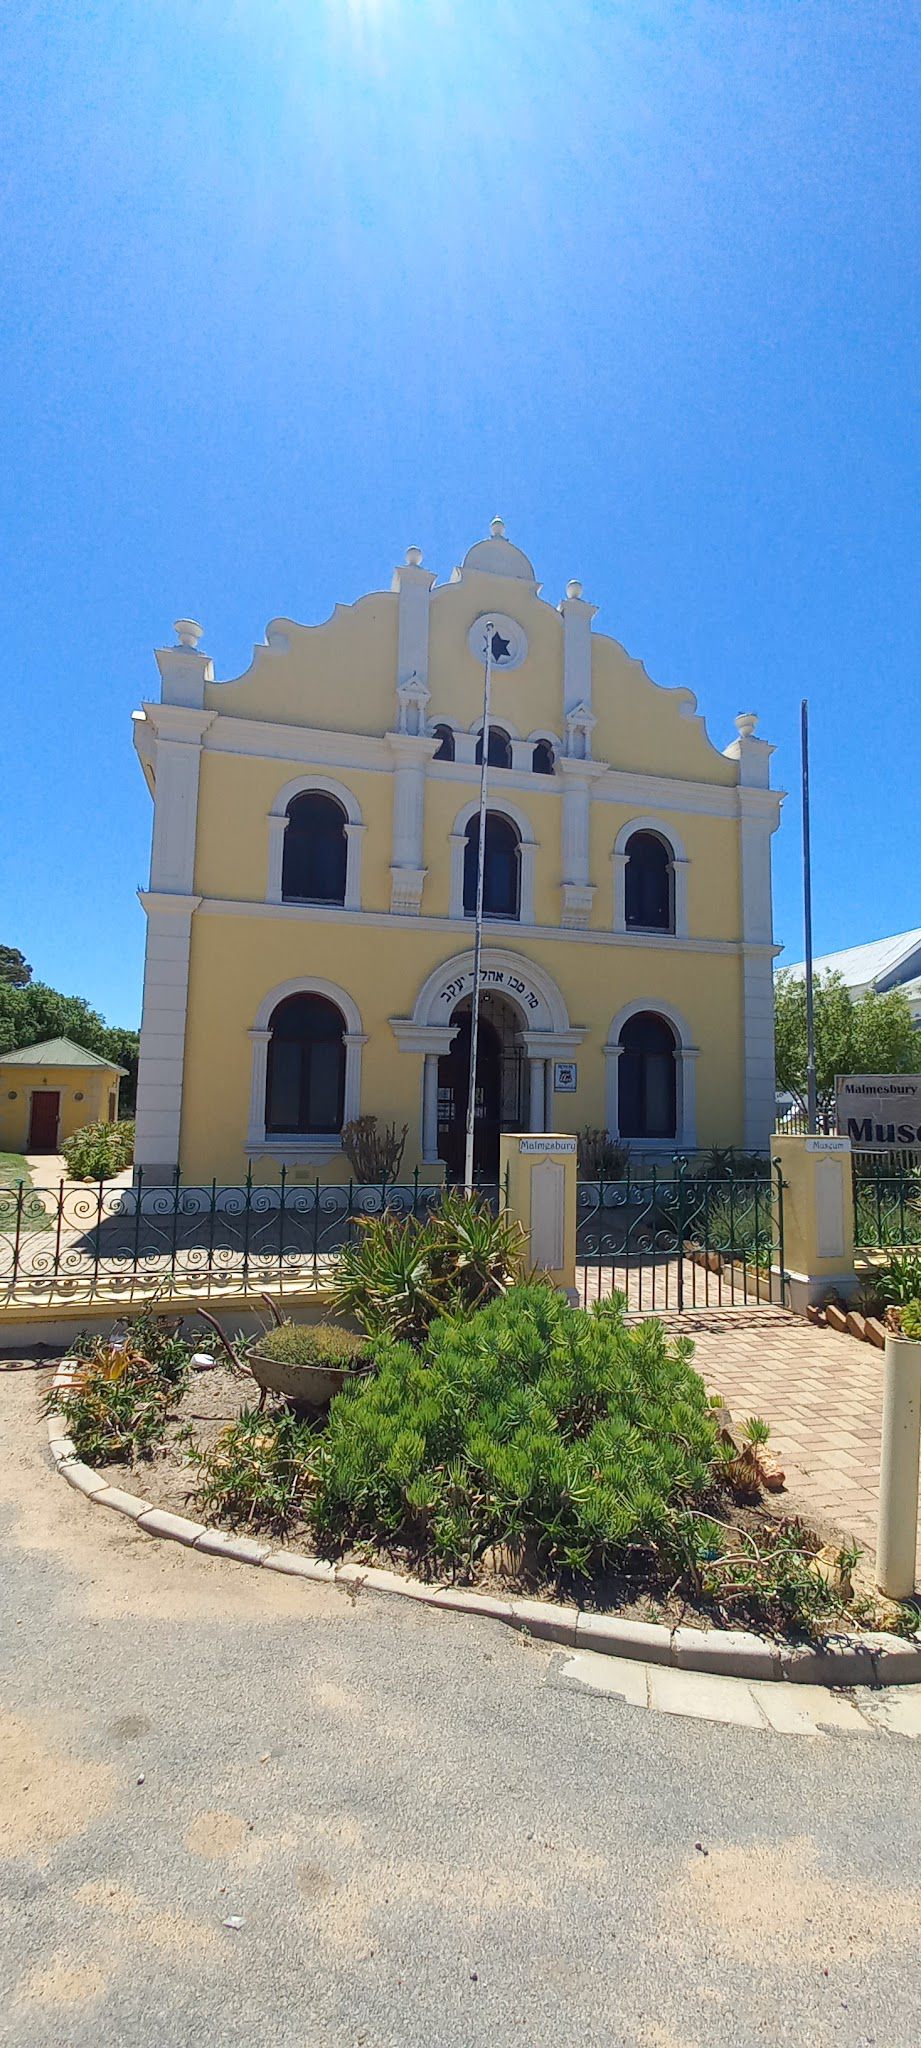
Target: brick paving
[[820, 1392], [822, 1395]]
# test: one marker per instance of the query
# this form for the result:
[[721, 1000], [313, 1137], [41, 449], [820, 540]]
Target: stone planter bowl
[[307, 1386]]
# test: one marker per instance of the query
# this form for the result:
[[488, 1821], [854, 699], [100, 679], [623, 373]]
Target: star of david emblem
[[501, 649]]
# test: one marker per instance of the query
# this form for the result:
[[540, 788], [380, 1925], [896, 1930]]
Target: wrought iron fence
[[887, 1201], [95, 1241], [682, 1238]]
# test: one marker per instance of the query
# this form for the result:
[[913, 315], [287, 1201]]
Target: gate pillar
[[818, 1217], [539, 1172]]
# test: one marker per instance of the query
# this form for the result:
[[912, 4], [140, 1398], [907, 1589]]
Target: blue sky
[[288, 286]]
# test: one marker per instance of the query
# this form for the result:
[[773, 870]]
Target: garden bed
[[444, 1466], [215, 1399]]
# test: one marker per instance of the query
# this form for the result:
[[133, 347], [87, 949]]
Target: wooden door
[[43, 1121]]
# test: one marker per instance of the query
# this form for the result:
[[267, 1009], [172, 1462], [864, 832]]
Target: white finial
[[188, 632], [574, 587], [746, 724], [497, 528], [414, 557]]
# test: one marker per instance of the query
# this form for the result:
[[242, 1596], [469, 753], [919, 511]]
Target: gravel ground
[[429, 1835]]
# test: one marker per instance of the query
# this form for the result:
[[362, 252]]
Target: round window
[[508, 642]]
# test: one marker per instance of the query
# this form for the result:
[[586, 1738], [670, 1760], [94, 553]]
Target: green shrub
[[258, 1471], [738, 1227], [373, 1154], [99, 1150], [398, 1274], [528, 1420], [601, 1157], [900, 1281], [910, 1320], [126, 1391], [314, 1344]]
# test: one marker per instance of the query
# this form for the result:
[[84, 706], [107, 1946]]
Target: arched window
[[500, 748], [305, 1076], [649, 900], [314, 859], [646, 1078], [445, 738], [542, 759], [502, 867]]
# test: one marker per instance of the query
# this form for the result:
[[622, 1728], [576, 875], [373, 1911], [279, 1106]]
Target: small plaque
[[565, 1077], [828, 1144]]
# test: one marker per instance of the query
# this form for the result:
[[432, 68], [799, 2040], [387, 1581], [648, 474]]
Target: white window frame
[[528, 850], [316, 785], [553, 741], [317, 1145], [679, 864], [686, 1053]]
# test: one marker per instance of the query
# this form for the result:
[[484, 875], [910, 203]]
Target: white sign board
[[880, 1112], [828, 1144], [565, 1077]]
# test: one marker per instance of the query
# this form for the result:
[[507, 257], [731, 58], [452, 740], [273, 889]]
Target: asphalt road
[[431, 1838]]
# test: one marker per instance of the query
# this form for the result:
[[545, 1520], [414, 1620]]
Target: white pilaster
[[163, 1021], [430, 1109], [260, 1042], [179, 733], [537, 1105], [577, 650], [577, 889], [410, 754], [354, 835], [413, 585]]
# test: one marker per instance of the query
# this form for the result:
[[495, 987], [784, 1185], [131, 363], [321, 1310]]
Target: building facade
[[310, 943], [879, 966], [50, 1090]]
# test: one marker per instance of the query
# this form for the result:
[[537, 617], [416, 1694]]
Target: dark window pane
[[648, 883], [646, 1078], [325, 1072], [284, 1103], [314, 861], [445, 738], [306, 1066], [502, 868], [500, 748], [542, 762]]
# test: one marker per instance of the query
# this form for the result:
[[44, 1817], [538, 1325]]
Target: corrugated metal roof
[[859, 966], [57, 1052]]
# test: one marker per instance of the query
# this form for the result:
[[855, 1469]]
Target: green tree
[[31, 1013], [14, 967], [873, 1035]]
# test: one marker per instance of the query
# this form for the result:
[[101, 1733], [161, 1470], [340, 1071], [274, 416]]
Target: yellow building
[[49, 1091], [309, 949]]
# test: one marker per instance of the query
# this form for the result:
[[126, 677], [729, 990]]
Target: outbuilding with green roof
[[50, 1090]]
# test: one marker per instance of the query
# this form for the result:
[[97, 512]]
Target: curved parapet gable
[[338, 675], [644, 727]]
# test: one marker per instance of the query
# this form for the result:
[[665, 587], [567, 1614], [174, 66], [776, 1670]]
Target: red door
[[43, 1122]]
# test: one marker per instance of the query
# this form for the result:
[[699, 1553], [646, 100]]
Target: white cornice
[[314, 747], [178, 721], [154, 900], [664, 942]]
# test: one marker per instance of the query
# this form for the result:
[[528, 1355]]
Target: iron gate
[[678, 1235]]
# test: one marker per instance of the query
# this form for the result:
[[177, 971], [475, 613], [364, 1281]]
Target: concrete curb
[[841, 1660]]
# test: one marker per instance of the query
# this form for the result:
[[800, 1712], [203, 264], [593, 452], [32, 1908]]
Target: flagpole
[[478, 928], [807, 920]]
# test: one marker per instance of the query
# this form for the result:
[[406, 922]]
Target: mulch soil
[[216, 1397]]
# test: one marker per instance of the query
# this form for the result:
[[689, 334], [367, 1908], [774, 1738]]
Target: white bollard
[[897, 1533]]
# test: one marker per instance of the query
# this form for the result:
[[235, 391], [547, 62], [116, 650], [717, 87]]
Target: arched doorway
[[500, 1086]]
